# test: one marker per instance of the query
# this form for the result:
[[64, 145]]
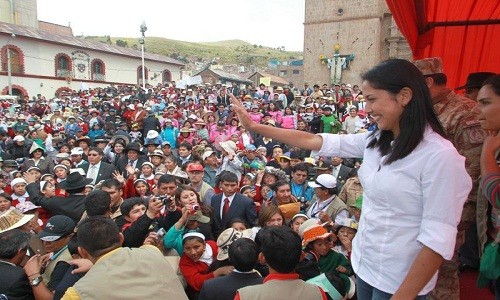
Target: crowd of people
[[224, 192]]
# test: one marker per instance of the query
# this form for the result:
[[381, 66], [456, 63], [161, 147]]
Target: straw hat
[[13, 219], [227, 237], [313, 233]]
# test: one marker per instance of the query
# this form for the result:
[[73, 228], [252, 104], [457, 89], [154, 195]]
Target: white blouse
[[412, 202]]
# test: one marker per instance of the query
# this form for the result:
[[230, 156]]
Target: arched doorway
[[166, 77]]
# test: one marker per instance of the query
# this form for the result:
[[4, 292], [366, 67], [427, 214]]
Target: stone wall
[[361, 27]]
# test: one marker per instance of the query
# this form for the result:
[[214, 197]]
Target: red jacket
[[196, 273]]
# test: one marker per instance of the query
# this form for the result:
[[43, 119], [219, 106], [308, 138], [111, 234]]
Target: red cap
[[194, 167]]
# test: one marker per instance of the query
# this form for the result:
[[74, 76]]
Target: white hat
[[77, 151], [19, 138], [193, 116], [77, 170], [324, 181], [26, 206], [206, 154], [152, 134], [17, 181], [167, 121], [147, 163], [62, 155], [140, 105], [131, 106], [229, 146]]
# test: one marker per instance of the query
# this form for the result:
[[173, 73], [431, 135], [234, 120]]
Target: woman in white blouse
[[414, 181]]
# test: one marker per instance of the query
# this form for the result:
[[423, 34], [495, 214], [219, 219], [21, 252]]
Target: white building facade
[[46, 63]]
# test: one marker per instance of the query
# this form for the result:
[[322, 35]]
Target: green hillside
[[223, 52]]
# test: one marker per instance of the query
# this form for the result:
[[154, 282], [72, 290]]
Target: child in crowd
[[132, 209], [88, 188], [298, 220], [318, 244], [19, 194], [36, 172], [346, 232], [329, 122], [147, 173], [196, 259], [5, 202]]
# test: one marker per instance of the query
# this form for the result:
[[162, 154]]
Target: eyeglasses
[[93, 154]]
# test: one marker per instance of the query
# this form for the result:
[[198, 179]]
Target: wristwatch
[[36, 281]]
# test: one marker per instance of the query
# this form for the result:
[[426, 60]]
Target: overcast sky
[[272, 23]]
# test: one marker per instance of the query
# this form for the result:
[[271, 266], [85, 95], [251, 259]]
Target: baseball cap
[[194, 167], [57, 227], [19, 138], [324, 181], [77, 151], [206, 154]]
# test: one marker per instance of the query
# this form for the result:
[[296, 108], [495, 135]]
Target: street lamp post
[[9, 68], [142, 40], [9, 72]]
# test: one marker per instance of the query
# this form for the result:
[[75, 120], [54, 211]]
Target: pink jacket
[[277, 116], [288, 122], [256, 117]]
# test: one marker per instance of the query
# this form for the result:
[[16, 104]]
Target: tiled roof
[[228, 76], [7, 28]]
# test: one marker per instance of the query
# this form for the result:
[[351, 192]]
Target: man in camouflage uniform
[[464, 131]]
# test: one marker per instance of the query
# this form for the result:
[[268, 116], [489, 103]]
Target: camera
[[166, 199], [160, 233], [195, 207], [303, 204]]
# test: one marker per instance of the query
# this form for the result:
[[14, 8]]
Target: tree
[[121, 43]]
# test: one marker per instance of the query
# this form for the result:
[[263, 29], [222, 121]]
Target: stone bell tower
[[359, 33]]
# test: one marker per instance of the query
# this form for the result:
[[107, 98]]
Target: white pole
[[143, 69], [9, 71]]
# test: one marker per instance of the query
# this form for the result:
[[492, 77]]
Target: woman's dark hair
[[236, 220], [494, 82], [6, 196], [276, 106], [148, 188], [266, 213], [185, 187], [393, 75]]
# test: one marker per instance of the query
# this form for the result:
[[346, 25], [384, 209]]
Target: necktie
[[225, 208], [131, 163], [92, 173], [335, 171]]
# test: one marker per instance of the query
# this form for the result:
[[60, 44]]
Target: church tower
[[361, 32], [19, 12]]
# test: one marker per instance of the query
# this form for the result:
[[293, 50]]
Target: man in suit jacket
[[14, 284], [243, 254], [134, 157], [72, 206], [231, 204], [98, 170], [340, 172]]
